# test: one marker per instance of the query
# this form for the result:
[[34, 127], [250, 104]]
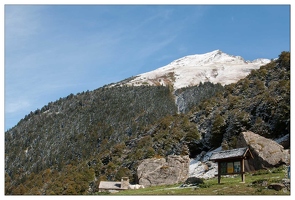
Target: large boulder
[[266, 152], [161, 171]]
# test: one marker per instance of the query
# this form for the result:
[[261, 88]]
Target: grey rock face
[[266, 152], [161, 171]]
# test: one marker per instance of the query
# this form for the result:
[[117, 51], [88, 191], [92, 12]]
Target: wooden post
[[243, 170], [219, 173]]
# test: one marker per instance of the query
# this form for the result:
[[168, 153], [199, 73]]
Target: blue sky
[[52, 51]]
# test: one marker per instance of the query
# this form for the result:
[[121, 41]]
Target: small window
[[237, 167], [230, 167]]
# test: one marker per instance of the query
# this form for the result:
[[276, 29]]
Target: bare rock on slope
[[161, 171]]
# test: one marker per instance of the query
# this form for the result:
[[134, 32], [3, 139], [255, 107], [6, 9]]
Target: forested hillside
[[259, 103], [79, 127], [188, 97], [69, 145]]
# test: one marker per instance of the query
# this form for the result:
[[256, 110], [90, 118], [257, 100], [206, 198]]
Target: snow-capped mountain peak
[[215, 66]]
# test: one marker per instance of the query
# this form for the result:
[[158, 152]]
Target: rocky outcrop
[[266, 152], [200, 169], [161, 171], [194, 180], [284, 141], [276, 186]]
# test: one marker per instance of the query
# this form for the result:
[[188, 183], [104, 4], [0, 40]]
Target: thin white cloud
[[154, 47], [49, 68], [16, 106], [160, 16], [21, 24]]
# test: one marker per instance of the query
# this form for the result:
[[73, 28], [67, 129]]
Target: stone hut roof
[[110, 185], [231, 154]]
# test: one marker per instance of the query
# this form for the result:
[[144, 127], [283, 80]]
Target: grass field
[[228, 186]]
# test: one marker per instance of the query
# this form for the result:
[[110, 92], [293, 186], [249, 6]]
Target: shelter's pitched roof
[[111, 185], [233, 153]]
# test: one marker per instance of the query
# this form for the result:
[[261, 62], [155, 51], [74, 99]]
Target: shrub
[[205, 185]]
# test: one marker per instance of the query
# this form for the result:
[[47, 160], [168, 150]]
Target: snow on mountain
[[215, 67]]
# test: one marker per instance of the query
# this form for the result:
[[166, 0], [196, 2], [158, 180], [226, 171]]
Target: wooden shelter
[[231, 161]]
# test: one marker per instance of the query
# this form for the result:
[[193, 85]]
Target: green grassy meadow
[[228, 186]]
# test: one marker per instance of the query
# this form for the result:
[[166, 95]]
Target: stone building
[[113, 186]]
